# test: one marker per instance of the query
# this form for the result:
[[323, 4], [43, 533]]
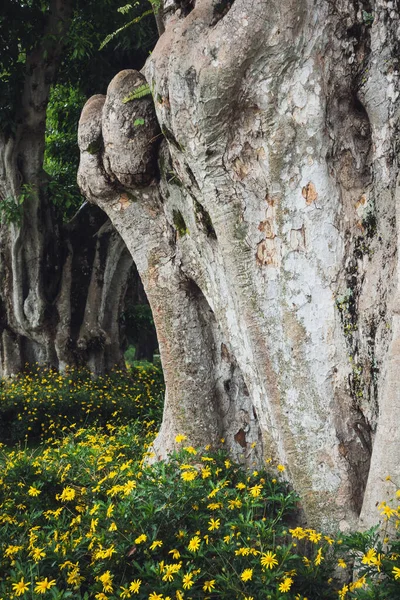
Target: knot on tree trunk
[[118, 138]]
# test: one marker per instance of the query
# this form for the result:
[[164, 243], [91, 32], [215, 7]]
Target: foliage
[[137, 19], [88, 516], [82, 72], [22, 26], [138, 322], [84, 517], [368, 18], [139, 92], [41, 402], [179, 223], [61, 159], [11, 208], [375, 557]]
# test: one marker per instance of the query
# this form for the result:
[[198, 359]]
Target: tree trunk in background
[[79, 323], [264, 227], [62, 287]]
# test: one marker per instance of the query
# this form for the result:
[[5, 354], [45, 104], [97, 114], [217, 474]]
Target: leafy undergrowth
[[40, 403], [84, 516]]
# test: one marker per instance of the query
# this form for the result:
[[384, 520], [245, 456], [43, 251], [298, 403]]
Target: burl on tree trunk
[[256, 189]]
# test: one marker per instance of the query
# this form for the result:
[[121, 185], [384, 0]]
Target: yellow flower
[[359, 583], [341, 563], [246, 575], [74, 577], [180, 438], [255, 490], [21, 587], [387, 511], [44, 585], [11, 550], [156, 544], [194, 544], [214, 524], [281, 468], [236, 503], [268, 560], [285, 585], [106, 579], [209, 585], [135, 586], [187, 581], [112, 527], [169, 571], [175, 553], [154, 596], [67, 494], [242, 552], [141, 538], [298, 533], [214, 505], [190, 449], [189, 475], [319, 558], [313, 536], [125, 592], [377, 561], [396, 572], [370, 557], [34, 491], [37, 554]]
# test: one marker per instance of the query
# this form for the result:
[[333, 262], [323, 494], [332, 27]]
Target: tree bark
[[264, 228]]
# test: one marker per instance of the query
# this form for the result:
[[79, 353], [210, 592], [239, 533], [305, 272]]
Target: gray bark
[[264, 228]]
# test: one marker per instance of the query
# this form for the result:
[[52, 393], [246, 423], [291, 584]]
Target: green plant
[[368, 18], [11, 209], [140, 92], [134, 21], [179, 223], [87, 515], [42, 403]]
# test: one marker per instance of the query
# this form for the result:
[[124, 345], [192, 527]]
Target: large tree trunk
[[264, 228]]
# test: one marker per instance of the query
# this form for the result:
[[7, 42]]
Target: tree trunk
[[264, 228], [62, 286]]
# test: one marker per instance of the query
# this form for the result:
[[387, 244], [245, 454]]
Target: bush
[[87, 518], [41, 403]]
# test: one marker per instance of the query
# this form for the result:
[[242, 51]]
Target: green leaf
[[139, 92], [138, 122]]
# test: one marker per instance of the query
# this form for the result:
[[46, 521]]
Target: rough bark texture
[[266, 234]]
